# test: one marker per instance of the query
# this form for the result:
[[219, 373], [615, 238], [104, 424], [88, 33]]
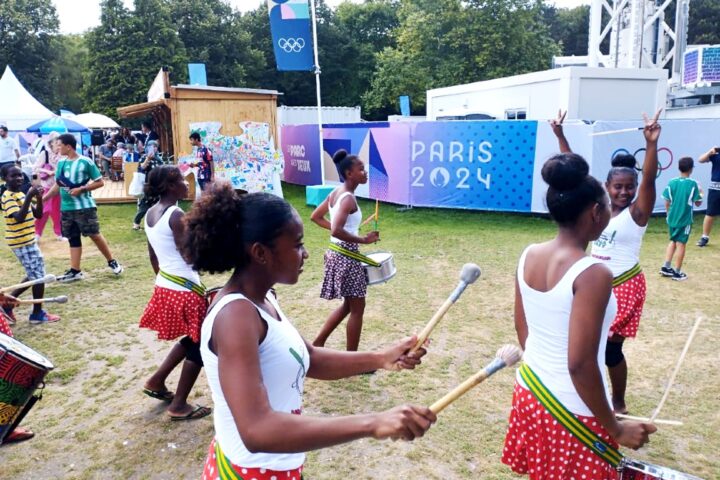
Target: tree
[[704, 24], [447, 42], [213, 34], [569, 27], [126, 51], [68, 69], [27, 29]]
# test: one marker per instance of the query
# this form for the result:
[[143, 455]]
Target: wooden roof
[[141, 109]]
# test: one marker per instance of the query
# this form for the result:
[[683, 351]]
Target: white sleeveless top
[[162, 241], [619, 245], [352, 223], [284, 362], [548, 320]]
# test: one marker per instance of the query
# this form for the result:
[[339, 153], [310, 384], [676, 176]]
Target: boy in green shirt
[[680, 195], [75, 177]]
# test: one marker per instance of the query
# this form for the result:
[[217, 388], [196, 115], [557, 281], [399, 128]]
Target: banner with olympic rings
[[291, 34]]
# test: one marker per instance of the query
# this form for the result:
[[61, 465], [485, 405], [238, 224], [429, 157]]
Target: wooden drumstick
[[677, 369], [60, 299], [506, 356], [469, 273], [673, 423], [29, 283]]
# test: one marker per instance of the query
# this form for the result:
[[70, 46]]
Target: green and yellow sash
[[568, 420], [625, 276], [354, 255], [185, 283]]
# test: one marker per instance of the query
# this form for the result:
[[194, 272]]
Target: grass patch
[[94, 421]]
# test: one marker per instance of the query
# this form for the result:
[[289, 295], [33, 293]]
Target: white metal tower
[[637, 34]]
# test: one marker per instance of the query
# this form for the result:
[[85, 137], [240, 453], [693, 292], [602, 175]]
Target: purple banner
[[301, 150]]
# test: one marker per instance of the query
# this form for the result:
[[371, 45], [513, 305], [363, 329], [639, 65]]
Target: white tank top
[[162, 241], [284, 362], [548, 319], [619, 244], [352, 223]]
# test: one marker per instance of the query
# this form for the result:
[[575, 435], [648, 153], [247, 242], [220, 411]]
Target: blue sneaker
[[43, 317]]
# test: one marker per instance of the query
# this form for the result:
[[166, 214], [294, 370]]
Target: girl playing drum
[[344, 275], [178, 304], [256, 361]]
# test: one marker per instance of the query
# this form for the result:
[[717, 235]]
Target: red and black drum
[[22, 371]]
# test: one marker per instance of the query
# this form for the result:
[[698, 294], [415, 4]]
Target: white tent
[[95, 120], [18, 109]]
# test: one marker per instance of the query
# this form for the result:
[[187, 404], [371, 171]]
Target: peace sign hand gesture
[[652, 127], [556, 124]]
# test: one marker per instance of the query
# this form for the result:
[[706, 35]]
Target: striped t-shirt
[[17, 234], [74, 174]]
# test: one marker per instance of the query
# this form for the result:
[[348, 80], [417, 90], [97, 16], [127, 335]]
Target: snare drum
[[384, 272], [22, 371], [637, 470]]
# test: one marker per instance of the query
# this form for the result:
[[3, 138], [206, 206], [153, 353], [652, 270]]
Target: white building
[[586, 93]]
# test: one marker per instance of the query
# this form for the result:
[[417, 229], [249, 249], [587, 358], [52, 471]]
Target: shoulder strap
[[567, 419]]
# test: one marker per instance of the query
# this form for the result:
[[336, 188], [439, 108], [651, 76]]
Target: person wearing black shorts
[[713, 198]]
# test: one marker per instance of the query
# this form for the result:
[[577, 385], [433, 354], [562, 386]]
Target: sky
[[76, 16]]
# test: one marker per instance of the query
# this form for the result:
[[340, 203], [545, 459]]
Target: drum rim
[[20, 356]]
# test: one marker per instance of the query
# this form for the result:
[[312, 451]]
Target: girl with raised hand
[[344, 275], [177, 306], [256, 361], [562, 424], [618, 246]]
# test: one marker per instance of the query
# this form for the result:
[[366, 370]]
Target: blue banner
[[291, 34]]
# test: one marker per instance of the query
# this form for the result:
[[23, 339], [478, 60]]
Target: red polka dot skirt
[[537, 445], [211, 472], [5, 325], [630, 301], [173, 314]]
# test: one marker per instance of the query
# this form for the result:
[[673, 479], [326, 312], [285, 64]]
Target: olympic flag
[[291, 34]]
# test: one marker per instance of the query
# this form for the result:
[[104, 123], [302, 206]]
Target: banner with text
[[291, 34]]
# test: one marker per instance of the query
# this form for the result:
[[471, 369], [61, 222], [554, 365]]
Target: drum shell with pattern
[[22, 370], [631, 469]]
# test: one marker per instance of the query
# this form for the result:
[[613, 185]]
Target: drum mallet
[[506, 356], [677, 369], [60, 299], [29, 283], [469, 273]]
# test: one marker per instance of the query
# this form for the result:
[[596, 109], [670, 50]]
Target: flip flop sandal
[[197, 412], [19, 435], [165, 396]]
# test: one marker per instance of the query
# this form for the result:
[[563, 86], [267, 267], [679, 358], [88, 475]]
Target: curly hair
[[571, 188], [222, 220], [160, 178]]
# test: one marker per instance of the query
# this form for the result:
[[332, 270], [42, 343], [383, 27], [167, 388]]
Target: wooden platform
[[113, 192]]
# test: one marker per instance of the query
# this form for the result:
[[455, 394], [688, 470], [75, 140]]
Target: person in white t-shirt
[[9, 149], [632, 201], [256, 361]]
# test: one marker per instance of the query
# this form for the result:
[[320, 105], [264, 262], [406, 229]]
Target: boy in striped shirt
[[20, 211], [75, 177]]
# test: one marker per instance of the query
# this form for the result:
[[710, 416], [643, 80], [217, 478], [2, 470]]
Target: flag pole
[[317, 90]]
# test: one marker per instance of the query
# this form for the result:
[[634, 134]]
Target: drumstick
[[60, 299], [674, 423], [377, 212], [29, 283], [677, 369], [469, 273], [506, 356], [610, 132]]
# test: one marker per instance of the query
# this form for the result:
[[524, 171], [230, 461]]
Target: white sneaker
[[69, 276], [115, 267]]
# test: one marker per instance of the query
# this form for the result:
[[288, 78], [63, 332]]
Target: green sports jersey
[[681, 192], [73, 174]]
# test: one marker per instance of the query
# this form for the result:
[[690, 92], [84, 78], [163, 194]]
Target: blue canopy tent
[[57, 124]]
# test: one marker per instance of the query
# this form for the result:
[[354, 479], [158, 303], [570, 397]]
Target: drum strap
[[568, 420], [185, 283], [354, 255], [625, 276]]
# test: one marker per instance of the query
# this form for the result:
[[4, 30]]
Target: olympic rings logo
[[290, 45], [638, 167]]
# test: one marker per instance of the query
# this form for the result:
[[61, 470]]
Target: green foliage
[[704, 27], [569, 27], [27, 30], [446, 42], [72, 58]]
